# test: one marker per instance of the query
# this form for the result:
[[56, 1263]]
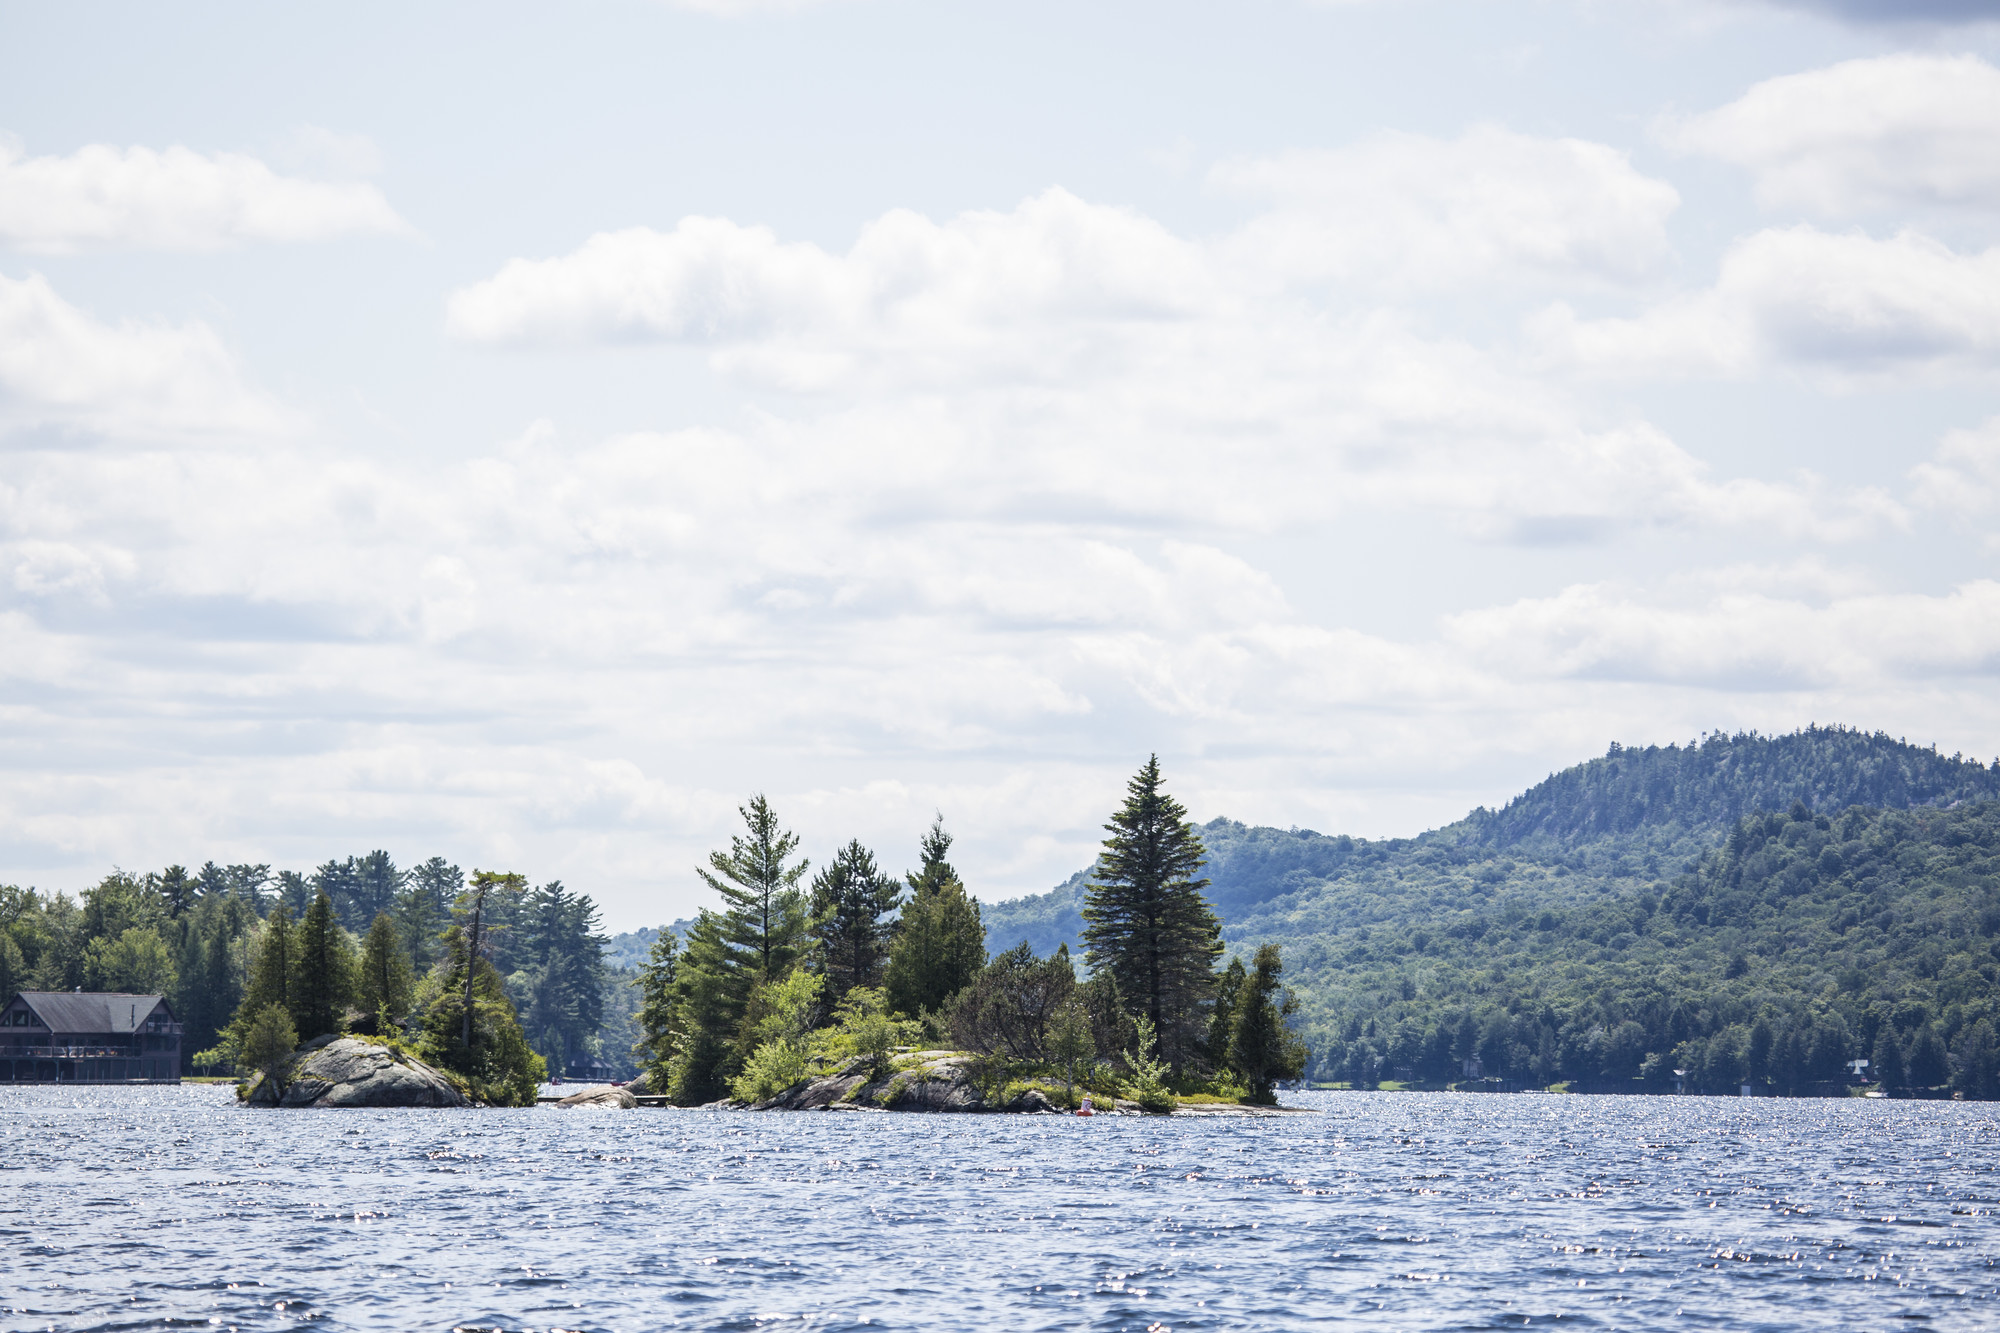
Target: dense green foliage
[[852, 902], [1714, 782], [1263, 1049], [1146, 921], [323, 977], [384, 985], [939, 944], [268, 1037], [226, 941], [469, 1025]]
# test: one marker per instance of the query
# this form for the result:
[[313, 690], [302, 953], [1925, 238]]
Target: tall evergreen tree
[[385, 984], [294, 893], [562, 978], [270, 977], [488, 889], [658, 1000], [1263, 1048], [851, 898], [325, 979], [424, 907], [1146, 919], [711, 990], [1927, 1066], [377, 883], [177, 891], [1222, 1014], [471, 1028], [220, 987], [360, 886], [212, 881], [1887, 1063], [940, 942], [207, 990], [336, 880], [764, 914]]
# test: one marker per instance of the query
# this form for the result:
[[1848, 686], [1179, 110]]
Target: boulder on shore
[[609, 1099], [350, 1071]]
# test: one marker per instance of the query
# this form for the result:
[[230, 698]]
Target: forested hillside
[[1747, 909]]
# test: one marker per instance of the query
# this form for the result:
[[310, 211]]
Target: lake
[[145, 1208]]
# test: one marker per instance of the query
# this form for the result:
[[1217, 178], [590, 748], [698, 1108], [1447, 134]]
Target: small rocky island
[[946, 1081], [352, 1071]]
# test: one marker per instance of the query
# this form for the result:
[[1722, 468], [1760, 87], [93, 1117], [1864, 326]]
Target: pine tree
[[325, 978], [710, 991], [561, 970], [294, 893], [386, 985], [1887, 1063], [177, 891], [1072, 1046], [1263, 1048], [657, 1002], [850, 898], [424, 908], [488, 889], [940, 942], [270, 978], [13, 966], [1222, 1014], [1146, 919], [1926, 1060], [268, 1037], [1976, 1063], [471, 1029], [764, 916], [376, 884]]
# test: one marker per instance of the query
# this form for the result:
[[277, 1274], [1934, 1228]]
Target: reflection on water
[[139, 1208]]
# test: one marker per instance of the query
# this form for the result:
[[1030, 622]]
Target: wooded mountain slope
[[1830, 884]]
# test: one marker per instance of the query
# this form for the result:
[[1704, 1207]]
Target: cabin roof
[[93, 1011]]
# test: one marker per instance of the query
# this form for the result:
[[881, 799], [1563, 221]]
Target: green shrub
[[1148, 1084], [864, 1027], [269, 1038], [783, 1055], [771, 1068]]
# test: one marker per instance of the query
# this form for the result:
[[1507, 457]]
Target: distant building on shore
[[89, 1037]]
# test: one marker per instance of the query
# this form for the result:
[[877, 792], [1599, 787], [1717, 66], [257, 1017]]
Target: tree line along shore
[[1741, 910], [788, 979]]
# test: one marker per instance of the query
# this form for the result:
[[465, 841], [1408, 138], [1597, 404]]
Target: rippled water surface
[[170, 1207]]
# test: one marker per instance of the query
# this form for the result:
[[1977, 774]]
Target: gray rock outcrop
[[348, 1071], [609, 1099], [921, 1081]]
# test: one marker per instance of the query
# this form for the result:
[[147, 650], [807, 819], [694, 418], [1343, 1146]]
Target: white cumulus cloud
[[1963, 477], [1890, 132], [1738, 639], [173, 199], [1492, 205], [60, 366], [1845, 306]]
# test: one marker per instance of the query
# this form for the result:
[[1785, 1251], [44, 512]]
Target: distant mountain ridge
[[1714, 782], [1654, 801]]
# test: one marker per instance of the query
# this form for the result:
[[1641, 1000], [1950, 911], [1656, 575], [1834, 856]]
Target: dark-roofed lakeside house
[[89, 1037]]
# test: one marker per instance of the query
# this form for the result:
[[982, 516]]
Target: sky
[[520, 433]]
